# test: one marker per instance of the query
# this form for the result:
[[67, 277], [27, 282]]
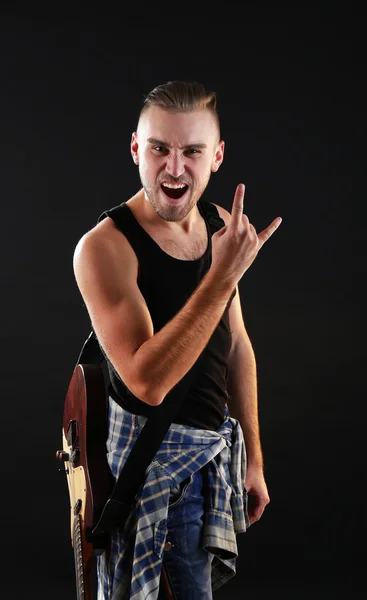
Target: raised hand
[[236, 245]]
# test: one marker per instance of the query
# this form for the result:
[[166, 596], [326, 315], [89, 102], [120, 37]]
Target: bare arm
[[242, 384], [243, 406], [151, 363]]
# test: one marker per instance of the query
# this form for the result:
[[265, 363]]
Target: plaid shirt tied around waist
[[130, 569]]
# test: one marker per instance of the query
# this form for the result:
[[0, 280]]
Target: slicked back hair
[[181, 97]]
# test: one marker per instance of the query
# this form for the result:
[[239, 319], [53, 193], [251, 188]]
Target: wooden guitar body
[[84, 433]]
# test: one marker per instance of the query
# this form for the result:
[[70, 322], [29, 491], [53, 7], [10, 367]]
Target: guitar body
[[84, 433]]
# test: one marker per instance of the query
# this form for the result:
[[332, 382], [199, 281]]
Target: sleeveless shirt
[[166, 284]]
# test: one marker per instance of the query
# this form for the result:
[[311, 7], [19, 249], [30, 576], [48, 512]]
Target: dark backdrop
[[289, 88]]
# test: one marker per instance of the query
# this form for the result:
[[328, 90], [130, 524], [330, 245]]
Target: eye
[[159, 149], [192, 151]]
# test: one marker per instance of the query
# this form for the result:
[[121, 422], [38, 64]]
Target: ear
[[134, 147], [218, 157]]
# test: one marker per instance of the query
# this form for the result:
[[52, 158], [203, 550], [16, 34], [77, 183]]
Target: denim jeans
[[186, 567]]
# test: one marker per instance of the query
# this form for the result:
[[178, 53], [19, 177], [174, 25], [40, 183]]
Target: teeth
[[174, 186]]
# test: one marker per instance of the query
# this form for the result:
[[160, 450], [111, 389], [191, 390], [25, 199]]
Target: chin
[[167, 209]]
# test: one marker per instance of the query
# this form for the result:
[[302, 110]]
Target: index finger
[[237, 206]]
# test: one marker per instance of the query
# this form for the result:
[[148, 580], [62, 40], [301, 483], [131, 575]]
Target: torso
[[165, 285]]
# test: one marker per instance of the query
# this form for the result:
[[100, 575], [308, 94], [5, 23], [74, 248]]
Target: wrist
[[219, 281], [255, 465]]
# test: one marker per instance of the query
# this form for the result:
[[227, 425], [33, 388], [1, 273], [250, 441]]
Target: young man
[[162, 290]]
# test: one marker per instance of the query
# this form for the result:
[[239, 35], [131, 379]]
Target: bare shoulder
[[104, 238], [100, 235], [226, 216], [103, 250]]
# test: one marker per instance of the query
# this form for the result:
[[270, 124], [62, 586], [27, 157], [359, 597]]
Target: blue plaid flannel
[[130, 569]]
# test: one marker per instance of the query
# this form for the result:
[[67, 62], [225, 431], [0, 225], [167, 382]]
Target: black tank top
[[166, 283]]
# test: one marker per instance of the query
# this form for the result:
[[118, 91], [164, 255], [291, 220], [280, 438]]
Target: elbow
[[147, 392], [154, 399], [140, 385]]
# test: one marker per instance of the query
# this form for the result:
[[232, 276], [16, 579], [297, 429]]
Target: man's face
[[176, 153]]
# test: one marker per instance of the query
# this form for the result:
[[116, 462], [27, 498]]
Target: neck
[[143, 206]]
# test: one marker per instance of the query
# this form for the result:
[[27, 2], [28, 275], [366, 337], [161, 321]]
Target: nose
[[175, 164]]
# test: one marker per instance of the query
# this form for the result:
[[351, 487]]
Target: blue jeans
[[186, 567]]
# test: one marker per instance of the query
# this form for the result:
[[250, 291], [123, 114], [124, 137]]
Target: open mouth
[[173, 190]]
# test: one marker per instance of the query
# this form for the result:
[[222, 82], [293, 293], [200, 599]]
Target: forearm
[[243, 400], [170, 353]]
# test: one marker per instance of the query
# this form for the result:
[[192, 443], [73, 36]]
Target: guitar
[[84, 433]]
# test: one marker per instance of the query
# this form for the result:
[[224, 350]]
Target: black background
[[290, 98]]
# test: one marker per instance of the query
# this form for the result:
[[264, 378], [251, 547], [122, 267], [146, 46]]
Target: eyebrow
[[162, 143]]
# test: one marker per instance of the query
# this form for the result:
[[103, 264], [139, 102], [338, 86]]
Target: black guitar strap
[[118, 506]]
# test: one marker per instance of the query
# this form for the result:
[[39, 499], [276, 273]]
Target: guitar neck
[[82, 582]]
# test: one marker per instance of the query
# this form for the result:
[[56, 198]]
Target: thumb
[[220, 232]]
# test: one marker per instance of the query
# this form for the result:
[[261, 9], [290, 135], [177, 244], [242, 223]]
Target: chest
[[190, 246]]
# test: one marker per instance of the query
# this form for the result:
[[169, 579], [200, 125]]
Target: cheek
[[199, 169], [152, 165], [147, 167], [202, 172]]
